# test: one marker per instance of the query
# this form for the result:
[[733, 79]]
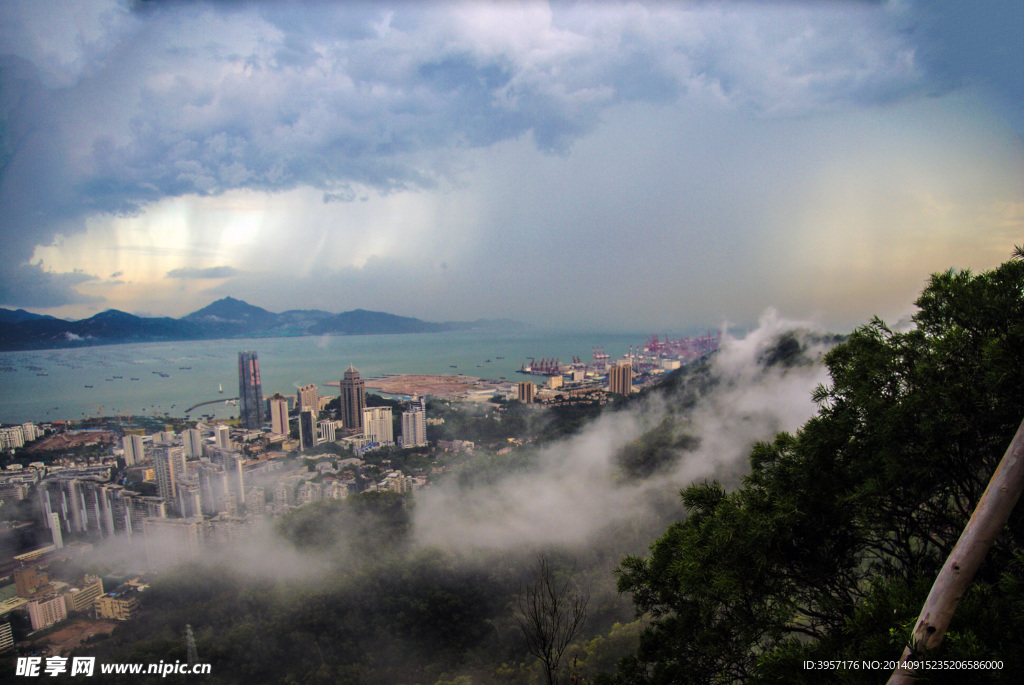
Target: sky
[[660, 166]]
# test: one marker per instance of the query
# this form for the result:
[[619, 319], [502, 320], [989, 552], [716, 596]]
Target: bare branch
[[551, 615]]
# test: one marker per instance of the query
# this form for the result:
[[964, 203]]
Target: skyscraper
[[307, 429], [526, 390], [620, 378], [353, 399], [169, 465], [134, 452], [193, 442], [377, 425], [223, 435], [279, 414], [250, 392], [414, 425]]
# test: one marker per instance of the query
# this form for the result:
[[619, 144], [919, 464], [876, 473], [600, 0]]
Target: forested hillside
[[829, 547]]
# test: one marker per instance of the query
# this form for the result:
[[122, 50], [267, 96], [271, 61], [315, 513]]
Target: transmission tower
[[190, 645]]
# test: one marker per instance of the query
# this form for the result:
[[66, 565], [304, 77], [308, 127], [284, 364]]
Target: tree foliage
[[831, 543]]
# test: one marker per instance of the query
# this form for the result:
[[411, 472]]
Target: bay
[[71, 384]]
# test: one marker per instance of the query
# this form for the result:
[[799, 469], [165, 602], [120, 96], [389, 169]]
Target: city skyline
[[624, 167]]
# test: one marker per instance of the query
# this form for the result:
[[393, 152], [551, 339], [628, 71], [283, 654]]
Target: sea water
[[157, 379]]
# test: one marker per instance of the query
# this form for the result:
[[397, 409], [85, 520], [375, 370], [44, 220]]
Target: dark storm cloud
[[974, 45], [28, 285], [115, 109], [210, 272]]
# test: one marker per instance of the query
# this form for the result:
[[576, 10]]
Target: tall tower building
[[223, 435], [307, 429], [169, 465], [414, 426], [353, 399], [279, 414], [54, 522], [620, 378], [250, 392], [377, 425], [526, 390], [193, 442], [134, 452]]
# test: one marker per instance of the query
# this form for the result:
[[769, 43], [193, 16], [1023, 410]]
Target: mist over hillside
[[580, 489]]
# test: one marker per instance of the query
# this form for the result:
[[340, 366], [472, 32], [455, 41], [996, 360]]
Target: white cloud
[[577, 491]]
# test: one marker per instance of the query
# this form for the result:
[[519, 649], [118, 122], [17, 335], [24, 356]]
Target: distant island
[[225, 318]]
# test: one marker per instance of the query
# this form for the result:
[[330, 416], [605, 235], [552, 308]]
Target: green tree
[[831, 543]]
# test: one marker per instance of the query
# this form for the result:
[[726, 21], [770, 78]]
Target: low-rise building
[[119, 605], [80, 597]]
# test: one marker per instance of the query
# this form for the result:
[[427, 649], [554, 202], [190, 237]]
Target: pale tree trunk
[[987, 521]]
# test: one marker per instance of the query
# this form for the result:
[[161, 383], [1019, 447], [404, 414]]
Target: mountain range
[[225, 318]]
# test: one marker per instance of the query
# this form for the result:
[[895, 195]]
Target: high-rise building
[[193, 442], [173, 541], [46, 611], [134, 452], [250, 392], [526, 390], [223, 435], [620, 378], [53, 520], [190, 501], [307, 429], [353, 400], [234, 474], [213, 485], [377, 425], [169, 465], [163, 438], [12, 438], [309, 397], [279, 414], [414, 426]]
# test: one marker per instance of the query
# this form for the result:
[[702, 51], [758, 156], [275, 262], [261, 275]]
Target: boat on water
[[220, 387]]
